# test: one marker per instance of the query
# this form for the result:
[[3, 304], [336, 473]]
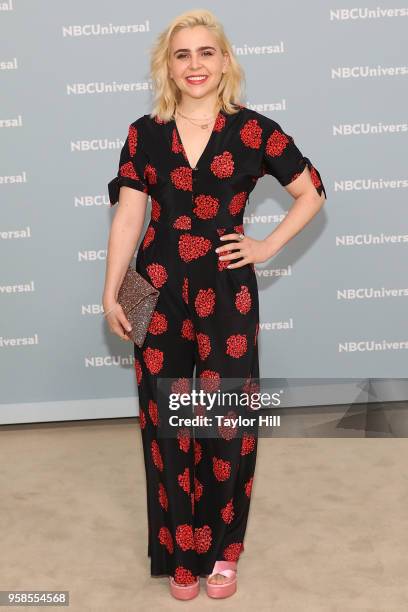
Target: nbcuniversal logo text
[[370, 293], [86, 256], [363, 72], [370, 239], [97, 29], [351, 14], [370, 184], [365, 346]]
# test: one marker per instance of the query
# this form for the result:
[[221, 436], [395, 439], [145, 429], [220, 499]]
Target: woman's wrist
[[272, 246], [109, 300]]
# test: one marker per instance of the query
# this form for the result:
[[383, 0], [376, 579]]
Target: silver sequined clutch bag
[[138, 299]]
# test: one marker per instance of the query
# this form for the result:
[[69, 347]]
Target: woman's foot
[[217, 579], [184, 591], [222, 582]]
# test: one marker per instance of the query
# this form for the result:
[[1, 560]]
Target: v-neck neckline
[[206, 146]]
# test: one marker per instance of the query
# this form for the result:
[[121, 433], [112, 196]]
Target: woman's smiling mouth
[[197, 80]]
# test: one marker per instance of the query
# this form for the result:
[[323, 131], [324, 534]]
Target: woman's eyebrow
[[198, 49]]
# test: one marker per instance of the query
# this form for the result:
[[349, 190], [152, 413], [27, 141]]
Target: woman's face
[[194, 52]]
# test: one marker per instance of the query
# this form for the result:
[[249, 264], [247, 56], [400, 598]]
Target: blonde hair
[[166, 92]]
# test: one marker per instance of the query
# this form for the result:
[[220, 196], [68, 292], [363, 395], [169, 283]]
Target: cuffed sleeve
[[132, 165], [282, 158]]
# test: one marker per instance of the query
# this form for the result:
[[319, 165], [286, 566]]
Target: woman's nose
[[194, 62]]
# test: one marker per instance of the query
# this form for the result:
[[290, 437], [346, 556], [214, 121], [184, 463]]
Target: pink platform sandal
[[228, 587], [184, 591]]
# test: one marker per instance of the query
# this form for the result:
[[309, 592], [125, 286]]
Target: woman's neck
[[199, 108]]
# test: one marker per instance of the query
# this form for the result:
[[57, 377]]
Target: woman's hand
[[252, 251], [117, 320]]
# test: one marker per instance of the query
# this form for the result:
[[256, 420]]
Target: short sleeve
[[282, 158], [132, 165]]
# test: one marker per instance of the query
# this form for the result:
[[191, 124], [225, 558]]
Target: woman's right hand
[[117, 321]]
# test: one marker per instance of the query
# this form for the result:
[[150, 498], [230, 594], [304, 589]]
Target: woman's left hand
[[252, 251]]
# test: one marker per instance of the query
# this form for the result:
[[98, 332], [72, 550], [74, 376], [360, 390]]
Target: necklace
[[203, 126]]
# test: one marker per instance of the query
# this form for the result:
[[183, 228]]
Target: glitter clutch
[[138, 299]]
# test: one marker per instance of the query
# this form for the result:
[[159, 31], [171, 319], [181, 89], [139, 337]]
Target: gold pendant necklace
[[203, 126]]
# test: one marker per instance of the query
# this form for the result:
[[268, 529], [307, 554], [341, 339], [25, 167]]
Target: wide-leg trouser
[[198, 488]]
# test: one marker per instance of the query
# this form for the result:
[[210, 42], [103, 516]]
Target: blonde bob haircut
[[166, 93]]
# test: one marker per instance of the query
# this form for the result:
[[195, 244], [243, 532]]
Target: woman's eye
[[183, 55]]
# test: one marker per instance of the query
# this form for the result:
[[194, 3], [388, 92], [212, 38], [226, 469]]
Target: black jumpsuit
[[207, 317]]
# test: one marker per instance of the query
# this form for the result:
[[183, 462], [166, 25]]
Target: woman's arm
[[307, 204], [124, 235]]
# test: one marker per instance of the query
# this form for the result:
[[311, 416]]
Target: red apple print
[[221, 231], [184, 480], [248, 444], [197, 452], [184, 291], [153, 359], [204, 345], [209, 380], [315, 177], [206, 207], [236, 345], [185, 537], [202, 539], [148, 237], [232, 552], [239, 229], [204, 302], [183, 436], [163, 498], [219, 123], [228, 432], [150, 174], [156, 455], [182, 223], [182, 178], [157, 273], [221, 469], [156, 210], [276, 143], [142, 418], [129, 171], [223, 165], [181, 385], [158, 323], [176, 145], [166, 539], [184, 576], [187, 330], [243, 300], [198, 488], [193, 247], [153, 412], [248, 487], [138, 371], [251, 134], [227, 512], [237, 203], [132, 140]]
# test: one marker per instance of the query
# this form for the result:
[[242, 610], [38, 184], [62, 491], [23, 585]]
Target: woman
[[198, 155]]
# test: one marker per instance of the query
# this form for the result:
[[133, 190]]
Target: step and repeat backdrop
[[333, 302]]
